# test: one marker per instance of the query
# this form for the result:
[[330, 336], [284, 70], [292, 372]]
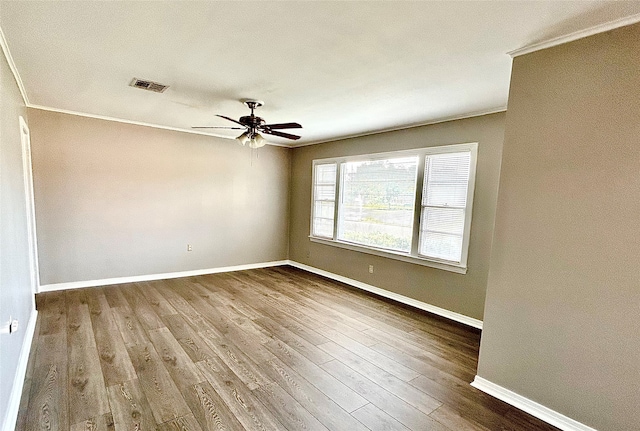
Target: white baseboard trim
[[461, 318], [533, 408], [11, 417], [151, 277]]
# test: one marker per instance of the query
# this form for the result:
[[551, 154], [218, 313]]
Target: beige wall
[[563, 301], [116, 200], [15, 282], [463, 294]]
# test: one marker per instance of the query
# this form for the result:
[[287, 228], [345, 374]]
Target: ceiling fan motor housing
[[251, 121]]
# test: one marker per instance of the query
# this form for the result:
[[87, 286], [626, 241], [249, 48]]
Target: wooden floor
[[266, 349]]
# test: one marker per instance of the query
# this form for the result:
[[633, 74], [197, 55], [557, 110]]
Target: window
[[444, 202], [377, 204], [324, 195], [409, 205]]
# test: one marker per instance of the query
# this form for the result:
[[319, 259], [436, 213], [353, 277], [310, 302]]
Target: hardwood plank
[[130, 407], [114, 296], [377, 420], [52, 313], [164, 398], [245, 369], [176, 361], [144, 312], [449, 365], [114, 360], [444, 377], [388, 364], [100, 423], [206, 405], [213, 413], [399, 388], [325, 382], [190, 340], [184, 423], [23, 409], [86, 389], [273, 303], [220, 297], [356, 307], [400, 410], [48, 406], [160, 305], [490, 413], [249, 411], [295, 326], [286, 409], [169, 291], [48, 409], [447, 416], [130, 329], [315, 401], [301, 345]]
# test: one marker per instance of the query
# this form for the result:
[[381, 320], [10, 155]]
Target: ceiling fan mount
[[255, 125], [252, 103], [252, 121]]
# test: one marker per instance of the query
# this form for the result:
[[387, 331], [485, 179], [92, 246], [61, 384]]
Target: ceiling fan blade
[[283, 126], [281, 134], [230, 119], [217, 127]]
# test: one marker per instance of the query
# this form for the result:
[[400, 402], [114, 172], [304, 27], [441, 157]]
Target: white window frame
[[413, 256], [314, 200]]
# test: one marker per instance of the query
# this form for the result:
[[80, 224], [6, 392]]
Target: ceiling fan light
[[257, 141], [243, 139]]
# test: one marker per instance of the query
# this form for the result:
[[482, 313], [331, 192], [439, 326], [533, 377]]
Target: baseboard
[[9, 423], [461, 318], [533, 408], [151, 277]]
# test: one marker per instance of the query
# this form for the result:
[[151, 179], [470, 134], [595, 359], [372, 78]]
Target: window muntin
[[435, 205]]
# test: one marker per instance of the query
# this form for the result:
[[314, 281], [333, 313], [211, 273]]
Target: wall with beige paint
[[463, 294], [563, 299], [15, 281], [118, 200]]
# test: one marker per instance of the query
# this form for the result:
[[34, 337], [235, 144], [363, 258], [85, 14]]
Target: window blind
[[444, 202], [324, 199]]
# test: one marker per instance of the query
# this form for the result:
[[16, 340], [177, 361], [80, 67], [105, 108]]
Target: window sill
[[391, 255]]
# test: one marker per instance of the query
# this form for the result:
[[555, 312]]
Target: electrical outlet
[[189, 248], [370, 269], [13, 327], [9, 327]]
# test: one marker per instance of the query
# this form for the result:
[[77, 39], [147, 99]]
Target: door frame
[[25, 139]]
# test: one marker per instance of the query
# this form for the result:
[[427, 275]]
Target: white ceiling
[[338, 68]]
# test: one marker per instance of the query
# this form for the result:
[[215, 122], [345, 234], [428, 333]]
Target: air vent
[[148, 85]]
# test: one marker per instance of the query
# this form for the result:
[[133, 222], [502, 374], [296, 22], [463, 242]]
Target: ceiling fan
[[254, 125]]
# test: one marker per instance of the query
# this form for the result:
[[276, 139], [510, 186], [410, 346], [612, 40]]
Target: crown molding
[[12, 66], [136, 123], [600, 28], [410, 126], [121, 120]]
